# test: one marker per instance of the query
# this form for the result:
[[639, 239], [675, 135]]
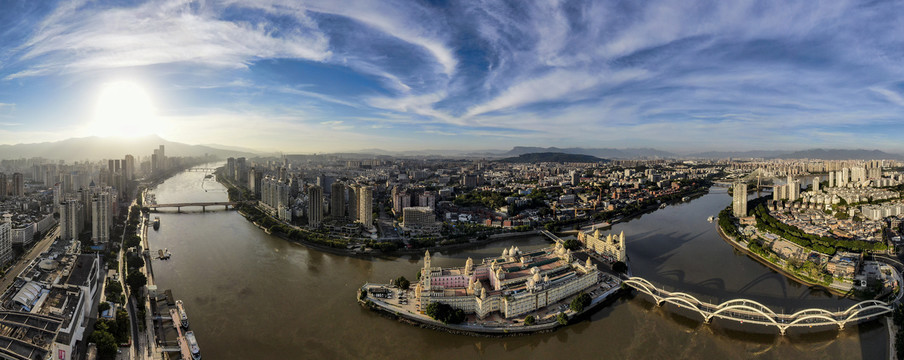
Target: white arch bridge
[[752, 312]]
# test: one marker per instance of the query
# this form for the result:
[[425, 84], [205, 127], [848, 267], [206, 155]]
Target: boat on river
[[182, 315], [193, 345]]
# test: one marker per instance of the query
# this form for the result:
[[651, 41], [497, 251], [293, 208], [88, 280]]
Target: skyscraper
[[230, 168], [69, 219], [740, 199], [4, 189], [161, 158], [315, 205], [18, 184], [365, 205], [101, 217], [6, 239], [353, 203], [337, 200], [816, 183], [128, 167]]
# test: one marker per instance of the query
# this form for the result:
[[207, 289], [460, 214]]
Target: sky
[[322, 76]]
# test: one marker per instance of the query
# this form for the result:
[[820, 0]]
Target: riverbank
[[480, 330], [775, 267]]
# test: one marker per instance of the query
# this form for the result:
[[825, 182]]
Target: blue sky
[[316, 76]]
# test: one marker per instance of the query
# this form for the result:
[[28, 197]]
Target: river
[[250, 295]]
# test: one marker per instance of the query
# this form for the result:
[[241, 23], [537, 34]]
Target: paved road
[[40, 247]]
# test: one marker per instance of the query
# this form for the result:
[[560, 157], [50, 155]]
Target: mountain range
[[551, 157], [96, 148]]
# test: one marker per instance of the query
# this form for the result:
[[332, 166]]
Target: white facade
[[6, 241]]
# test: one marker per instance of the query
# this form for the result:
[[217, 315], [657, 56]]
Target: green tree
[[136, 280], [134, 261], [580, 302], [572, 244], [529, 320], [562, 318], [403, 283], [104, 306], [620, 267], [106, 344], [445, 313]]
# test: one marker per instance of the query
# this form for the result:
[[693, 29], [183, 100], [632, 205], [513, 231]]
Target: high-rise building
[[831, 179], [18, 184], [241, 173], [315, 205], [353, 203], [6, 239], [69, 219], [4, 188], [337, 200], [740, 199], [128, 167], [816, 183], [101, 217], [365, 205], [230, 168], [254, 181], [161, 159]]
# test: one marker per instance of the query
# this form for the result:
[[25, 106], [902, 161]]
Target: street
[[40, 247]]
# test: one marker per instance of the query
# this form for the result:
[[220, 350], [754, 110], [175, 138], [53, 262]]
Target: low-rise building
[[611, 246]]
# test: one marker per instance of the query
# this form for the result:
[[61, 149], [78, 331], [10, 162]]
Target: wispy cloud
[[655, 73], [79, 37]]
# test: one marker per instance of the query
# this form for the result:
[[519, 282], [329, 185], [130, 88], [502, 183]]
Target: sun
[[124, 109]]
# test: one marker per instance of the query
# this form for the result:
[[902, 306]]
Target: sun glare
[[124, 109]]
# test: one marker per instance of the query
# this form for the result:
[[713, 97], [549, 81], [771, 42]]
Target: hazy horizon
[[402, 76]]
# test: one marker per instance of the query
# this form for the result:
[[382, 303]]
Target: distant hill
[[839, 154], [607, 153], [96, 148], [738, 154], [551, 157]]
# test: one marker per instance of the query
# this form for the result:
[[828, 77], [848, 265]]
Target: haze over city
[[325, 76]]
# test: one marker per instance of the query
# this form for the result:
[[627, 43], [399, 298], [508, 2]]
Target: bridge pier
[[203, 208], [178, 209]]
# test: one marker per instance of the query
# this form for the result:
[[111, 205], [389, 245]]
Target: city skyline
[[327, 77]]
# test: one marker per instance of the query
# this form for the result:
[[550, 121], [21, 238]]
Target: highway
[[40, 247]]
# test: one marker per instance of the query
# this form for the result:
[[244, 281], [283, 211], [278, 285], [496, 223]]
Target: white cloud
[[557, 85], [158, 33]]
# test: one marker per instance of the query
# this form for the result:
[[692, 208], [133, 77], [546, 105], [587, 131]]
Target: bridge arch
[[853, 316], [743, 307], [750, 303], [683, 303], [687, 296], [643, 281], [812, 311], [643, 287], [863, 304], [830, 320]]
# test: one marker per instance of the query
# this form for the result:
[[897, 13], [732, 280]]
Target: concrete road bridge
[[203, 205], [751, 312]]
